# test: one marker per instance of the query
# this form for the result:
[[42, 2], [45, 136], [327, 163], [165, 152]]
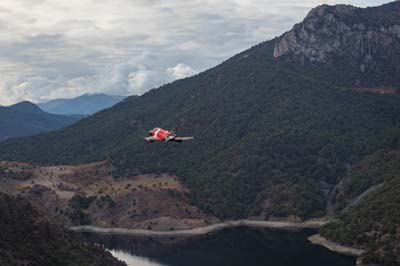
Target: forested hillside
[[302, 125], [259, 128], [25, 118], [28, 239], [373, 223]]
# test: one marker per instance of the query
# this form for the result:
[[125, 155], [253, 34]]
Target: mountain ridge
[[26, 106], [274, 135], [114, 135], [120, 136], [85, 104], [26, 118], [349, 42]]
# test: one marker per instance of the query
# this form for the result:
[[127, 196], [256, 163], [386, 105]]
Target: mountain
[[86, 104], [278, 128], [359, 45], [28, 239], [25, 118], [26, 107], [260, 127], [373, 222]]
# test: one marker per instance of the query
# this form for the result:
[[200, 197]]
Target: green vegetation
[[259, 128], [28, 239], [272, 138], [374, 223], [3, 171], [79, 204], [106, 200], [303, 199], [375, 169]]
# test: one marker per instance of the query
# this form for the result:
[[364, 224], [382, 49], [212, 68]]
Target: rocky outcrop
[[363, 42]]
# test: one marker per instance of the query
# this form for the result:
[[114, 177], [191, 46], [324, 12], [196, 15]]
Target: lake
[[230, 247]]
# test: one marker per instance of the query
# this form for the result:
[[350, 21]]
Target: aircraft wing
[[183, 138], [170, 137], [150, 139]]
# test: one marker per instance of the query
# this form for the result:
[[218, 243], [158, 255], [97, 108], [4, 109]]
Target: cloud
[[121, 79], [22, 88], [144, 79], [180, 71], [64, 48]]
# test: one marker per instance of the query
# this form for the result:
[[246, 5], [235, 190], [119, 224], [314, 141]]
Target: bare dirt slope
[[88, 194]]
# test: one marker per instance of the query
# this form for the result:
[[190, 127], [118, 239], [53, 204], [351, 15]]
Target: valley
[[299, 131]]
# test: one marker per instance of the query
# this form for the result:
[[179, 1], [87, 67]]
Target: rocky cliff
[[359, 45]]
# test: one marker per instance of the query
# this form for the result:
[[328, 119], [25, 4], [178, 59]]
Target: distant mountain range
[[86, 104], [25, 118], [297, 127]]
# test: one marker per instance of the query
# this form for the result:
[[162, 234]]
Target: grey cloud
[[60, 48]]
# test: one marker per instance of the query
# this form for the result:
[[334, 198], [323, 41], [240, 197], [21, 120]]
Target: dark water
[[230, 247]]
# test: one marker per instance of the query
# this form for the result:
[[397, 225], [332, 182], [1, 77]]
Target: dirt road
[[282, 225]]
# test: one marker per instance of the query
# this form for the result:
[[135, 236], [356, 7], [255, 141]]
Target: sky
[[65, 48]]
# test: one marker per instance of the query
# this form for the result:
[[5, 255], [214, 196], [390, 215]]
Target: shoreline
[[335, 247], [315, 239], [198, 231]]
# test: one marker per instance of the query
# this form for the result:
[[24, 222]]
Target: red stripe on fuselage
[[160, 134]]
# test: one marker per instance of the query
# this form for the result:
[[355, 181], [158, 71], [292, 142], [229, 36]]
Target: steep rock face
[[363, 45]]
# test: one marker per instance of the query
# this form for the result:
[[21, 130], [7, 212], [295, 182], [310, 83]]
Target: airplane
[[159, 134]]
